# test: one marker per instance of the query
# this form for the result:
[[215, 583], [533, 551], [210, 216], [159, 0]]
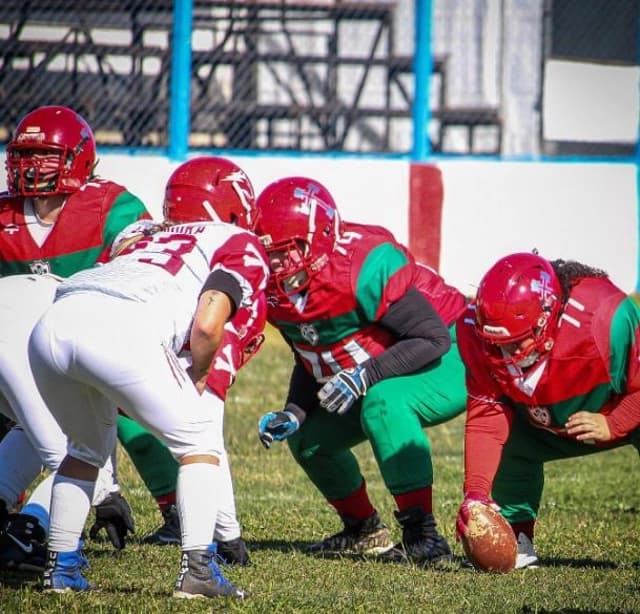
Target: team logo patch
[[540, 415], [40, 267], [309, 334]]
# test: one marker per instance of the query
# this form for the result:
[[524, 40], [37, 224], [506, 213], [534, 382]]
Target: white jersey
[[168, 268]]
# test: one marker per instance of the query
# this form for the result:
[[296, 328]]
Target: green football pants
[[392, 417], [518, 484]]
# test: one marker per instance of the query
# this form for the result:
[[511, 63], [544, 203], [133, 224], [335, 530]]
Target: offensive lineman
[[552, 351], [374, 360]]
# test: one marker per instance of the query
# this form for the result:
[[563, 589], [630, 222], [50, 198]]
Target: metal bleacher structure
[[271, 74]]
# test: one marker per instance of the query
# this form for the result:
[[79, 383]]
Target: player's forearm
[[625, 416], [486, 430], [207, 331]]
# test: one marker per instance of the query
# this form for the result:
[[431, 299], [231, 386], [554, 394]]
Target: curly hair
[[570, 271]]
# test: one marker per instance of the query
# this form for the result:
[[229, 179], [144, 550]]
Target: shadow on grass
[[578, 563], [536, 610], [20, 579], [455, 564]]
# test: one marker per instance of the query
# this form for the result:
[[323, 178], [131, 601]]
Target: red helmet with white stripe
[[298, 223], [209, 188], [517, 308]]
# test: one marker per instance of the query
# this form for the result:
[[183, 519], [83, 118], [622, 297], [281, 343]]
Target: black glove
[[114, 515]]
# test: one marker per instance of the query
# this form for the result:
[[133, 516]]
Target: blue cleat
[[62, 572]]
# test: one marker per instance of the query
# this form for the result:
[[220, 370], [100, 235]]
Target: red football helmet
[[53, 151], [518, 299], [209, 188], [298, 219]]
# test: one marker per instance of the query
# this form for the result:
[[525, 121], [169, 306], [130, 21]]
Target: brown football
[[489, 544]]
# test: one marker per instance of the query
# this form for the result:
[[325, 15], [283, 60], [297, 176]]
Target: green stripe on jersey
[[622, 336], [379, 266], [125, 210], [64, 265], [329, 331]]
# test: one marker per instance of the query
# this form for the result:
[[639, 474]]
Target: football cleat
[[527, 556], [169, 532], [22, 545], [421, 543], [200, 576], [62, 572], [369, 536], [234, 552], [4, 514]]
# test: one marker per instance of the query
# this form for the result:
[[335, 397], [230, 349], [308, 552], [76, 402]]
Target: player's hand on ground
[[343, 389], [588, 427], [115, 517], [464, 513], [277, 426]]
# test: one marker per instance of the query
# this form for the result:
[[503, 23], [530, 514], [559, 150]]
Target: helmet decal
[[298, 224], [517, 309], [210, 188]]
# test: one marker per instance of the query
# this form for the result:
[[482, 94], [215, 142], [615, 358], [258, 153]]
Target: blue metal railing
[[180, 80]]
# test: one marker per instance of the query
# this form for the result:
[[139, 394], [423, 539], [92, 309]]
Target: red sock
[[524, 527], [421, 497], [164, 501], [356, 505]]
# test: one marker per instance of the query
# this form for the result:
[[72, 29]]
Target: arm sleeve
[[224, 282], [486, 430], [624, 360], [625, 416], [422, 338], [301, 399]]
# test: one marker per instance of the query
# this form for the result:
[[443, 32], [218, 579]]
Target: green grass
[[588, 536]]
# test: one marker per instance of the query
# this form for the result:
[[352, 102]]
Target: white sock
[[19, 465], [70, 504], [39, 501], [227, 525], [198, 513]]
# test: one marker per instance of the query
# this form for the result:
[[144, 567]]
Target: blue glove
[[343, 389], [277, 426]]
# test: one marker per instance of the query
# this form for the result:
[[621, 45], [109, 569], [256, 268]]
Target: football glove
[[343, 389], [115, 517], [277, 426], [470, 499]]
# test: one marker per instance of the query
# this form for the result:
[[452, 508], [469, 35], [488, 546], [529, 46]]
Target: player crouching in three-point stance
[[552, 351], [374, 360], [111, 340]]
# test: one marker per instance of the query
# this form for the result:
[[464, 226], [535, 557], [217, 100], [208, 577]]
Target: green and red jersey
[[594, 366], [335, 323], [81, 236]]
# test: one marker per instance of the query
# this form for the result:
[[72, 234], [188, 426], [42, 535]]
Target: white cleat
[[527, 556]]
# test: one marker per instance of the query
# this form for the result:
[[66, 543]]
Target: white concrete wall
[[373, 190], [579, 211], [582, 211]]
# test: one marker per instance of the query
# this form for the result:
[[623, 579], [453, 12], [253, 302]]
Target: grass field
[[588, 536]]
